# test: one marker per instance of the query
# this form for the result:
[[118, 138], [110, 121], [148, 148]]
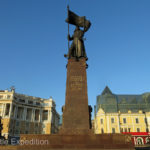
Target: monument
[[76, 130], [76, 110]]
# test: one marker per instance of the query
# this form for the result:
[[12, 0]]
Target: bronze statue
[[77, 48]]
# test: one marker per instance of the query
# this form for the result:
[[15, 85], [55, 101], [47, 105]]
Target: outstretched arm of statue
[[69, 38]]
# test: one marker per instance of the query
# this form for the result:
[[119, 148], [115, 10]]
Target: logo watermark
[[14, 141]]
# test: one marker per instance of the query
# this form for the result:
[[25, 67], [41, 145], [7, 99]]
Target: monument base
[[75, 132], [80, 142]]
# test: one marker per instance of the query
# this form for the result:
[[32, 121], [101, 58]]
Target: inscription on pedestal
[[76, 83]]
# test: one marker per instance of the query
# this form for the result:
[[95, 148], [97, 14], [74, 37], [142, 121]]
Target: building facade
[[122, 113], [22, 114]]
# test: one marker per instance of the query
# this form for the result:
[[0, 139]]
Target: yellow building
[[122, 113], [22, 114]]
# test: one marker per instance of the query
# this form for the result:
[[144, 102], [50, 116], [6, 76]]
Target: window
[[27, 125], [139, 141], [138, 129], [20, 113], [7, 109], [37, 115], [17, 132], [29, 114], [37, 103], [113, 130], [137, 120], [101, 121], [129, 129], [1, 96], [26, 132], [8, 96], [112, 120], [45, 115], [121, 129], [125, 130], [36, 125], [124, 120], [102, 130], [30, 102], [17, 123], [21, 100], [46, 104]]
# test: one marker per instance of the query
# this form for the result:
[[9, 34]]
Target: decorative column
[[33, 115], [16, 111], [50, 116], [108, 123], [119, 121], [41, 112], [10, 109], [133, 124], [4, 109], [24, 113]]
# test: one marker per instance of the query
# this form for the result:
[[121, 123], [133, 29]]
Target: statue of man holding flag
[[77, 48]]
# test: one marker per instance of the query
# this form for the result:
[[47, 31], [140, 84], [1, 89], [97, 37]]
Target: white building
[[24, 114]]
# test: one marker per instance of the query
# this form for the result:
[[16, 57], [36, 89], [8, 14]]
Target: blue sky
[[33, 41]]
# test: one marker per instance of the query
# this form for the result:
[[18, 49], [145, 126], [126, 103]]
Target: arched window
[[139, 141], [147, 140]]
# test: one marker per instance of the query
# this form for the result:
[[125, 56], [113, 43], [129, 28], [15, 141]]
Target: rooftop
[[111, 102]]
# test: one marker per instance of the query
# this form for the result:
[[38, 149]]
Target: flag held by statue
[[76, 20]]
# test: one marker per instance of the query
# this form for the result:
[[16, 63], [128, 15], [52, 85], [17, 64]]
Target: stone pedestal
[[75, 111], [77, 142]]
